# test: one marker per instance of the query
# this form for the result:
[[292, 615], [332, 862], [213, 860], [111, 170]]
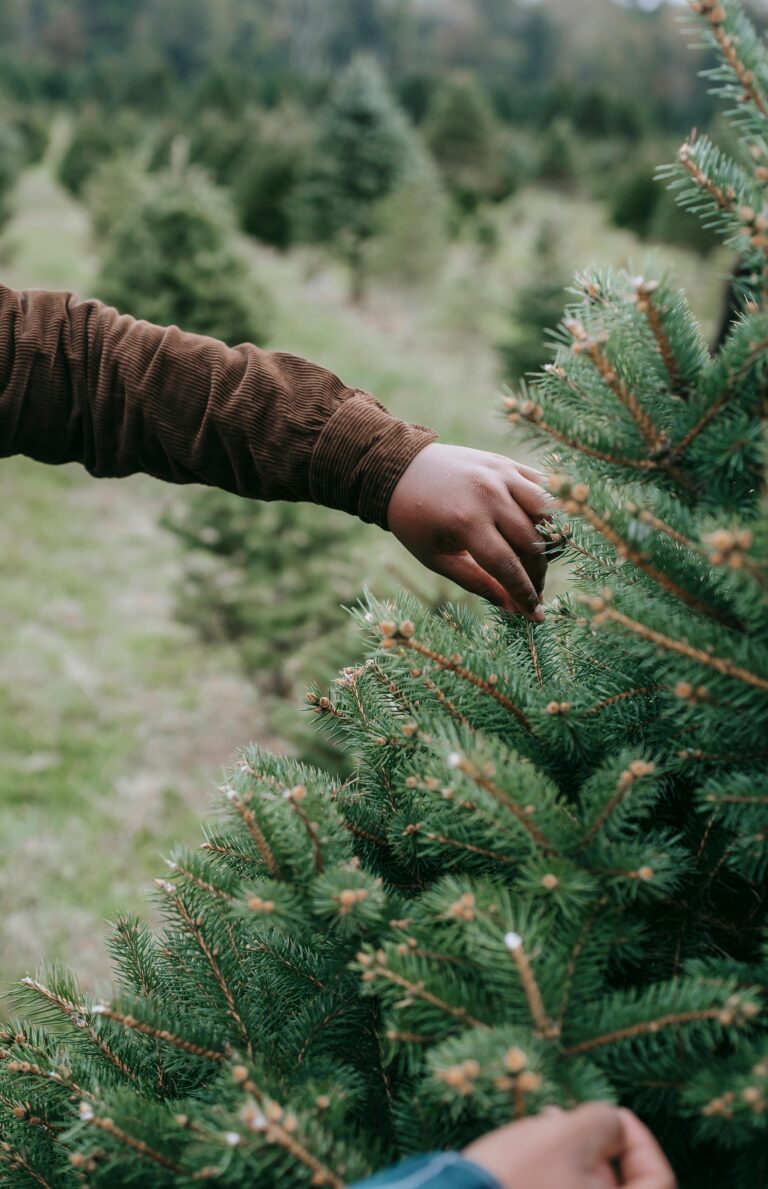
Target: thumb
[[643, 1164], [595, 1133]]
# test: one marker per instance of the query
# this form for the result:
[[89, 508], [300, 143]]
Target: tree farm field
[[116, 722]]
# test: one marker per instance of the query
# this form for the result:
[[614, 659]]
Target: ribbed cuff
[[360, 455]]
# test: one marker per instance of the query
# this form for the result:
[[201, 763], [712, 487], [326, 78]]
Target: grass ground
[[115, 722]]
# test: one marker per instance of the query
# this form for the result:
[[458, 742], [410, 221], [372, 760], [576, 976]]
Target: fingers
[[520, 532], [533, 474], [643, 1164], [596, 1132], [464, 570], [530, 495], [493, 552]]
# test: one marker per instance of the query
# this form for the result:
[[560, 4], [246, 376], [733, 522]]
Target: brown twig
[[255, 831], [210, 956], [649, 1026], [109, 1127], [450, 665], [160, 1034], [721, 664], [74, 1014]]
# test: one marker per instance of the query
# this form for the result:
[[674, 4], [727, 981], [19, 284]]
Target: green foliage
[[171, 258], [413, 223], [536, 308], [360, 154], [94, 139], [544, 880], [272, 578], [641, 204], [267, 173], [9, 167], [462, 134], [555, 161]]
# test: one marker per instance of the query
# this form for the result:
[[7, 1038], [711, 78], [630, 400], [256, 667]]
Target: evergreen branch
[[161, 1034], [321, 1175], [453, 665], [734, 799], [409, 1038], [615, 698], [679, 449], [17, 1160], [755, 353], [533, 414], [179, 869], [644, 300], [128, 936], [575, 954], [504, 799], [376, 839], [23, 1112], [317, 850], [29, 1069], [277, 1128], [391, 687], [714, 12], [721, 664], [647, 517], [75, 1015], [639, 559], [208, 954], [586, 344], [724, 199], [109, 1127], [443, 699], [416, 828], [636, 771], [470, 806], [324, 705], [376, 969], [544, 1025], [261, 945], [318, 1027], [534, 655], [255, 831], [726, 548], [229, 851], [672, 1020]]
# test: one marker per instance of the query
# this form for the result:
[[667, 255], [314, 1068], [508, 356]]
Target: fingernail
[[538, 613]]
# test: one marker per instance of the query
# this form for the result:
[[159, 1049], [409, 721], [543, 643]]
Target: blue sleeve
[[436, 1170]]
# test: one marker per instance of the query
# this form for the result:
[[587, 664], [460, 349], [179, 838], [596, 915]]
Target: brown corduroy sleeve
[[81, 383]]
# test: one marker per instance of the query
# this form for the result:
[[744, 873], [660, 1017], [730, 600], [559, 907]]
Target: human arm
[[81, 383]]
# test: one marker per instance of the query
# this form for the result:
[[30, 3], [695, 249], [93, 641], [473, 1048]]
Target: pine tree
[[360, 154], [170, 257], [546, 879], [462, 133], [9, 167], [536, 308], [274, 579]]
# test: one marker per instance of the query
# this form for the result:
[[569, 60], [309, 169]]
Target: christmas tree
[[362, 151], [169, 254], [545, 880]]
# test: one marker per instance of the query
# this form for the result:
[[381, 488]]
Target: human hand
[[574, 1150], [471, 516]]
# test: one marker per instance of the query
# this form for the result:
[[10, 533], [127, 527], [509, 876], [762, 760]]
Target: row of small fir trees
[[545, 879]]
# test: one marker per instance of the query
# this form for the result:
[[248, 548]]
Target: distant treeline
[[612, 69]]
